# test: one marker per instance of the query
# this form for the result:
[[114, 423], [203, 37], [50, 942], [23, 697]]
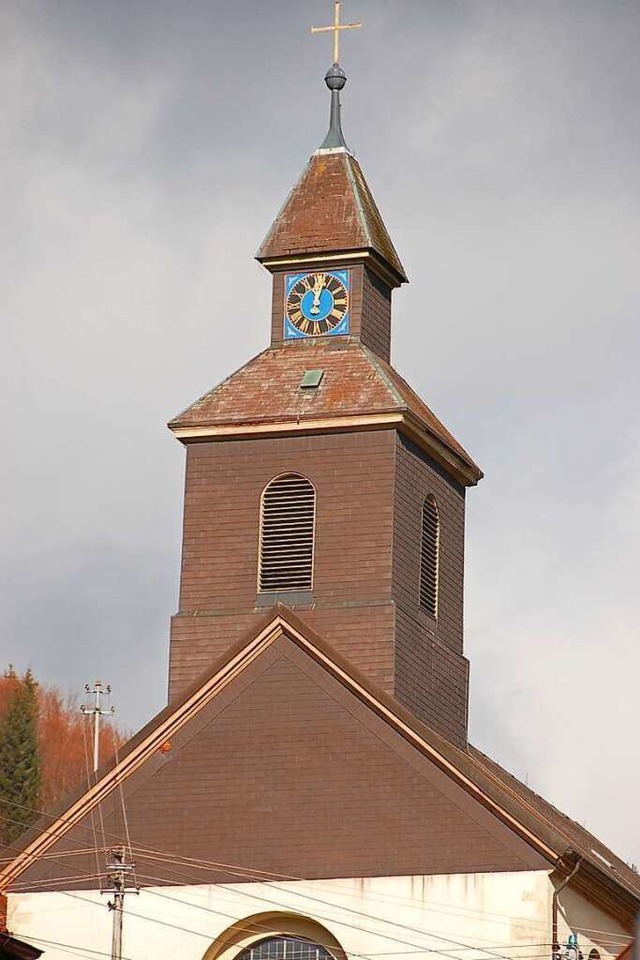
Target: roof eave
[[464, 471], [610, 893], [369, 255]]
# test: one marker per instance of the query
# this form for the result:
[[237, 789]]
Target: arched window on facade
[[429, 556], [285, 948], [287, 524]]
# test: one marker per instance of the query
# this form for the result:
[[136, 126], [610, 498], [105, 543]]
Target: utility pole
[[118, 872], [95, 710]]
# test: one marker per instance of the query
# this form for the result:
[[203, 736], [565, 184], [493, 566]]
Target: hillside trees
[[20, 762], [45, 750]]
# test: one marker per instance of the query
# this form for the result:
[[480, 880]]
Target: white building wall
[[596, 929], [459, 917]]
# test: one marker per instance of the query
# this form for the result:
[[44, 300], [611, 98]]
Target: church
[[309, 792]]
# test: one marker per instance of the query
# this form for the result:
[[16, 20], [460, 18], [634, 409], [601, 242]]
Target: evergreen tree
[[20, 764]]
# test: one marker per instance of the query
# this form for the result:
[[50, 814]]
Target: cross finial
[[336, 28]]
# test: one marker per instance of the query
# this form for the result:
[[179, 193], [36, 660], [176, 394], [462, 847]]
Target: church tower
[[315, 476]]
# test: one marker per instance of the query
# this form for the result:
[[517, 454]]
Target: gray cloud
[[146, 149]]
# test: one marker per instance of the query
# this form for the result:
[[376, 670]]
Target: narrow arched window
[[429, 556], [287, 521]]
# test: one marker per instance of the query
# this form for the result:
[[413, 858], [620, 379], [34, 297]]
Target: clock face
[[317, 304]]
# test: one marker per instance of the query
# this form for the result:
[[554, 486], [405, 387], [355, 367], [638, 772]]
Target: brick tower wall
[[351, 604], [370, 309], [370, 486], [431, 675]]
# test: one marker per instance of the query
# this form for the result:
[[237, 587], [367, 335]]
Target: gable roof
[[265, 395], [535, 825], [330, 210]]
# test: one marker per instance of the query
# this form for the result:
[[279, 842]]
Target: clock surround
[[316, 304]]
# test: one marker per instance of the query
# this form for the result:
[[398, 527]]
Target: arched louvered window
[[287, 521], [429, 556]]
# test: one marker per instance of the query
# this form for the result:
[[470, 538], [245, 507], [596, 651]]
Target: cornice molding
[[406, 422]]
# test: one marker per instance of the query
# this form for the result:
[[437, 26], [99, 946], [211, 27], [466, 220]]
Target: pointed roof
[[225, 728], [330, 210], [357, 388]]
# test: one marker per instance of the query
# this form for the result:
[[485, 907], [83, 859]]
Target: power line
[[149, 853], [269, 928], [87, 952], [244, 873]]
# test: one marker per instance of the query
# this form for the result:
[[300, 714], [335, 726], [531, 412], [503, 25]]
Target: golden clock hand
[[318, 287]]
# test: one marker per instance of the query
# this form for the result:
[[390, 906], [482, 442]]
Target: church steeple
[[316, 477], [331, 256]]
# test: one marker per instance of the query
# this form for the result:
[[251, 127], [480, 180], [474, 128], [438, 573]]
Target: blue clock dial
[[317, 304], [315, 307]]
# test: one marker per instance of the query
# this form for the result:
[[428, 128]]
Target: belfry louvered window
[[429, 556], [287, 521]]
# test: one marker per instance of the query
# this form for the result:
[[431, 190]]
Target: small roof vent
[[311, 379]]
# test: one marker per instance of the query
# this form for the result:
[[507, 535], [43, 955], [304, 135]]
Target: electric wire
[[269, 928], [611, 937], [87, 952], [122, 803], [204, 864], [93, 811], [337, 922]]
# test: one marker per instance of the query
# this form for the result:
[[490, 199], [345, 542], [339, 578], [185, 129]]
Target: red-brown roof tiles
[[330, 209], [355, 383]]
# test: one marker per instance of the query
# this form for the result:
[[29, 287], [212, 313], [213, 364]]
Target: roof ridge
[[356, 193], [446, 436], [364, 198], [274, 224], [478, 757], [217, 386], [376, 362]]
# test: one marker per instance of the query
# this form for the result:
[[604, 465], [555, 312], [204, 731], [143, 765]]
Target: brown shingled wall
[[417, 476], [353, 475], [370, 489], [431, 673], [371, 316], [370, 310]]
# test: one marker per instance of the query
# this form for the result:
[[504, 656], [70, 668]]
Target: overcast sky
[[146, 147]]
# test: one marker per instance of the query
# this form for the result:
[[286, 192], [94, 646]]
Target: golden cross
[[337, 27]]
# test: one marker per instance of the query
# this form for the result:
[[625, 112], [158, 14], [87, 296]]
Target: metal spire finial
[[335, 79]]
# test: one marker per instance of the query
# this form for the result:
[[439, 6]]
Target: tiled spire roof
[[330, 210]]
